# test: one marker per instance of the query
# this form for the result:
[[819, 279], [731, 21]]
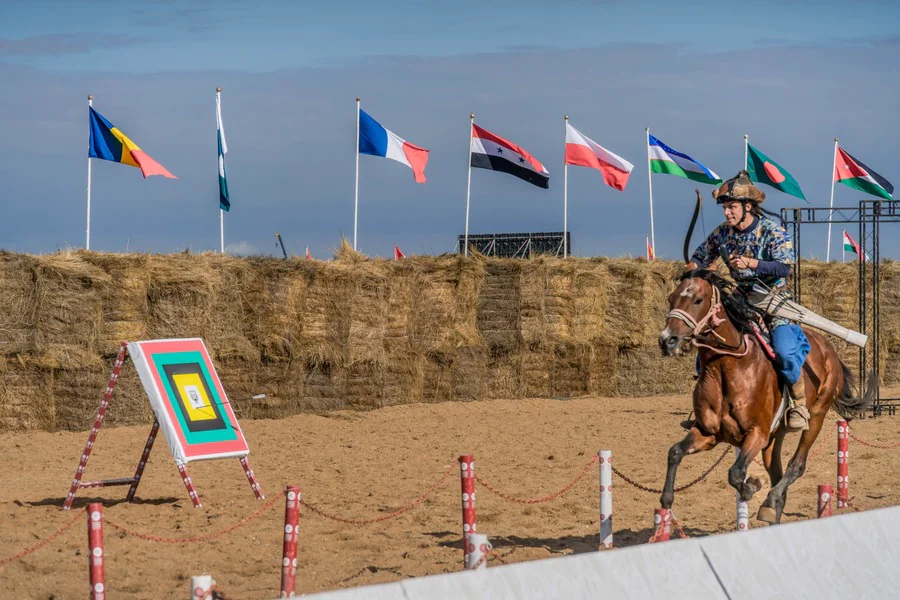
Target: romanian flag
[[108, 143]]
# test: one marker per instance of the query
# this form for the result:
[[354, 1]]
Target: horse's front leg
[[753, 442], [694, 441]]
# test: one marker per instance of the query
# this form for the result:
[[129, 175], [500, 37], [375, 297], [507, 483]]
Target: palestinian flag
[[492, 152], [763, 169], [854, 173]]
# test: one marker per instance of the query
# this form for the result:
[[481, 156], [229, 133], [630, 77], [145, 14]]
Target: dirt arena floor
[[366, 465]]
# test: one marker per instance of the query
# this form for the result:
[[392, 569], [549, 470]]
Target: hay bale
[[25, 401], [497, 317], [645, 372], [17, 297], [125, 306], [469, 374]]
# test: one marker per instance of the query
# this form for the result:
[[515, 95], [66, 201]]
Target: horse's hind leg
[[771, 509], [694, 441], [753, 442]]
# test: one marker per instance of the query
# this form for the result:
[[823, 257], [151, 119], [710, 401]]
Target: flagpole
[[831, 204], [469, 184], [650, 186], [746, 142], [356, 187], [565, 195], [221, 212], [843, 257], [87, 243]]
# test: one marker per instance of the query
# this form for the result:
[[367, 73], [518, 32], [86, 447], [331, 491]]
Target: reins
[[708, 324]]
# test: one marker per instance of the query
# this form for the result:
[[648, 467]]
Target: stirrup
[[800, 415]]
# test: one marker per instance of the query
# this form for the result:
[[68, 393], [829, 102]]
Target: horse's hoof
[[767, 515]]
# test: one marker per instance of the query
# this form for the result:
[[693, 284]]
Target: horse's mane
[[739, 311]]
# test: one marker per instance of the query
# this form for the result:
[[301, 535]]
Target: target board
[[188, 399]]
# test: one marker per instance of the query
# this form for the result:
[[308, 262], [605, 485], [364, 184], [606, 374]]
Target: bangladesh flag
[[852, 172], [763, 169]]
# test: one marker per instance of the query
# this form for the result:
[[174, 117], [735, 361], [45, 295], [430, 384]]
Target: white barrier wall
[[847, 556]]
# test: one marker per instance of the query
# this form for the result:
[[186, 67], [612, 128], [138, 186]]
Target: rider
[[756, 248]]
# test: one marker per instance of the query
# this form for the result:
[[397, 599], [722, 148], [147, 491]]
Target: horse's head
[[693, 303]]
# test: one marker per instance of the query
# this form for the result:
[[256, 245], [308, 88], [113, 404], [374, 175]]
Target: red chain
[[552, 496], [42, 543], [439, 483], [678, 489], [678, 528], [871, 445], [199, 538]]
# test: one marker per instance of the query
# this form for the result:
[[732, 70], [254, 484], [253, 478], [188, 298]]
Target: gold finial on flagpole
[[91, 97], [218, 89], [357, 98], [472, 116]]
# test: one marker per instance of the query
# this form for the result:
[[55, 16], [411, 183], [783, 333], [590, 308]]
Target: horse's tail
[[851, 403]]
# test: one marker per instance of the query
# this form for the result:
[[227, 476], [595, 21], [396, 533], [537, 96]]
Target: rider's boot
[[798, 416]]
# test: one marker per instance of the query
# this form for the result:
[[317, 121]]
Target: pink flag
[[398, 254], [582, 151]]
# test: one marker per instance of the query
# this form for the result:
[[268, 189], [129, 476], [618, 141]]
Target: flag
[[669, 161], [763, 169], [582, 151], [492, 152], [854, 173], [224, 201], [108, 143], [398, 254], [308, 255], [650, 255], [851, 245], [378, 141]]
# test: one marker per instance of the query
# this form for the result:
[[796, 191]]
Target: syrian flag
[[851, 245], [763, 169], [398, 254], [224, 200], [854, 173], [489, 151], [378, 141], [582, 151]]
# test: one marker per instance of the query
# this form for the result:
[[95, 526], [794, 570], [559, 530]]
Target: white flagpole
[[831, 204], [356, 187], [221, 212], [87, 243], [650, 185], [746, 143], [469, 183], [565, 196], [844, 234]]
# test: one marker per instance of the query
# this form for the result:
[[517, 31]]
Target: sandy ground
[[363, 465]]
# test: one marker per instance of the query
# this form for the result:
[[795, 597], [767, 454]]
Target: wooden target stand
[[78, 484]]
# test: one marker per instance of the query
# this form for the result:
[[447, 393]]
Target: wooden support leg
[[251, 477], [143, 463], [192, 492]]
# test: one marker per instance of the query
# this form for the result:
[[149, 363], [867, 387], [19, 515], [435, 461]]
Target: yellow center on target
[[196, 401]]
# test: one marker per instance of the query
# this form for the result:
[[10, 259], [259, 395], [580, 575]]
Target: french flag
[[378, 141]]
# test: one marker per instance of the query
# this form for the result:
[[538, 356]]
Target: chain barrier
[[812, 455], [681, 488], [547, 498], [871, 445], [435, 486], [199, 538], [42, 543], [675, 526]]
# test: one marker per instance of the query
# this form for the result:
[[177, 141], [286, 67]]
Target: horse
[[737, 398]]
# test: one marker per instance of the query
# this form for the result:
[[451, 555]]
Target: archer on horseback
[[757, 249]]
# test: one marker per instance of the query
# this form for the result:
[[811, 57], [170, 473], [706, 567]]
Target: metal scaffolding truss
[[868, 216], [517, 245]]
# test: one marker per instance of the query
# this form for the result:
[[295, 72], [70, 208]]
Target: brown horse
[[737, 399]]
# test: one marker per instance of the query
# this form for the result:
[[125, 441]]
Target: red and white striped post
[[467, 482], [843, 465], [742, 508], [662, 520], [606, 502], [145, 456], [95, 551], [98, 422], [825, 493], [291, 533], [251, 477], [189, 484]]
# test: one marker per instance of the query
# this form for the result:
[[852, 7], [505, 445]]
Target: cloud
[[59, 44]]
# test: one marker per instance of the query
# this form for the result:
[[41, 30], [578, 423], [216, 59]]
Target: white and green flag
[[224, 202], [669, 161]]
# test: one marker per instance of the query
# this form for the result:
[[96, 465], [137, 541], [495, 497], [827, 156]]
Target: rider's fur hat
[[739, 188]]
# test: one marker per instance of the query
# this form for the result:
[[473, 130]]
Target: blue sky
[[792, 74]]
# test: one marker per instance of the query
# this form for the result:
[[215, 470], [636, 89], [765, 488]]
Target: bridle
[[708, 324]]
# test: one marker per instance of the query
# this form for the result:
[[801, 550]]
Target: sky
[[793, 74]]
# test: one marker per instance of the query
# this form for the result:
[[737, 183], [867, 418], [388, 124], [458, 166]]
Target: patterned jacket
[[765, 240]]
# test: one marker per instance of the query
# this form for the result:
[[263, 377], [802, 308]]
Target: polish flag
[[582, 151], [378, 141], [398, 254]]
